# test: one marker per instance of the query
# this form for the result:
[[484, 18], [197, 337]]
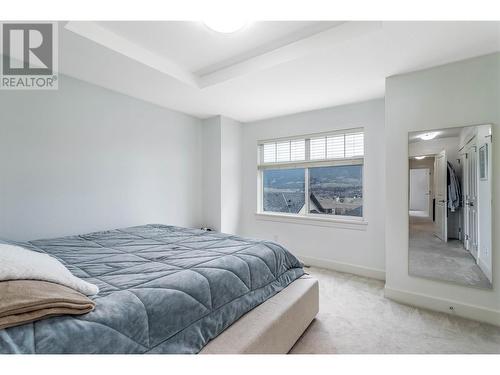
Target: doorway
[[419, 192]]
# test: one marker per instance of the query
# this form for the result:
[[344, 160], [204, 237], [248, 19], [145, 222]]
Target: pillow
[[17, 263], [24, 301]]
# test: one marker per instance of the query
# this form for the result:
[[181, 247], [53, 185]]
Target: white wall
[[419, 187], [211, 175], [222, 174], [83, 158], [458, 94], [354, 250], [427, 163], [231, 135]]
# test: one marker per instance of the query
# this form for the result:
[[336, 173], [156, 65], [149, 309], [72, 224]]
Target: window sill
[[355, 224]]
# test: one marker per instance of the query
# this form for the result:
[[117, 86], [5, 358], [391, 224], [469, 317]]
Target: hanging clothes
[[454, 189]]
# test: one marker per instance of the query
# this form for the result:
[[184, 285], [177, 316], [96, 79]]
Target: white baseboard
[[344, 267], [443, 305], [484, 267]]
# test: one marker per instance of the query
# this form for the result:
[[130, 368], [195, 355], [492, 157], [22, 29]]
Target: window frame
[[309, 218]]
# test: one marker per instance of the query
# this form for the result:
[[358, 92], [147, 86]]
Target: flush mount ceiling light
[[419, 157], [428, 136], [224, 25]]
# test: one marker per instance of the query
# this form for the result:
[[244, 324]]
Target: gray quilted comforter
[[163, 289]]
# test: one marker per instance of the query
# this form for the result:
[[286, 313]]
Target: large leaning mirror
[[450, 195]]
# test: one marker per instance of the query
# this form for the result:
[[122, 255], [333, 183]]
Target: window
[[336, 190], [283, 190], [313, 175]]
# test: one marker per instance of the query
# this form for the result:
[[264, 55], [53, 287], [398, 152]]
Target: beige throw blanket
[[24, 301]]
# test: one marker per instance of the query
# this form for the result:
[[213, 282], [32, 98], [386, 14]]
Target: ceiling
[[441, 133], [267, 69], [201, 50]]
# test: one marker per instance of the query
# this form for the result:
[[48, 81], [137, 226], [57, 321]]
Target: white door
[[441, 192], [419, 190], [470, 201]]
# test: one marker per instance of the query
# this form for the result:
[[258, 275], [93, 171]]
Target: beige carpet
[[449, 261], [355, 317]]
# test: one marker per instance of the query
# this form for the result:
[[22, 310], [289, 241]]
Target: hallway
[[432, 258]]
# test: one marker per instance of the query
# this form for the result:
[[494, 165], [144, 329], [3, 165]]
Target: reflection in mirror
[[450, 195]]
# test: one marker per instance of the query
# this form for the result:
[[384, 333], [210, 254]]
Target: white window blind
[[335, 146], [298, 150], [284, 151], [354, 145], [269, 152], [338, 146], [318, 148]]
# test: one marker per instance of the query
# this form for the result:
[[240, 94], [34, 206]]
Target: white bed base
[[274, 326]]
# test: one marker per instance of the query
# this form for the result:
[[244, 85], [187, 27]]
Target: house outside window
[[318, 175]]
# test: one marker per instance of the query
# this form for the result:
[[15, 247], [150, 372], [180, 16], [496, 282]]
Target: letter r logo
[[27, 49]]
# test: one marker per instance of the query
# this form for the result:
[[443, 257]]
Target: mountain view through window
[[284, 190], [333, 190], [336, 190]]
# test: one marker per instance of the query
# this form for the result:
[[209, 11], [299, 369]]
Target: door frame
[[441, 206]]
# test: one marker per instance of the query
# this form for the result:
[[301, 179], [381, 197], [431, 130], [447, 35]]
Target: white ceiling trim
[[294, 36], [108, 39], [295, 50]]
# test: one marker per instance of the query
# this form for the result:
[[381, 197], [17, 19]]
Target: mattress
[[163, 289]]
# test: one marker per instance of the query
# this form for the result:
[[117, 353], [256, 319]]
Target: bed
[[167, 289]]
